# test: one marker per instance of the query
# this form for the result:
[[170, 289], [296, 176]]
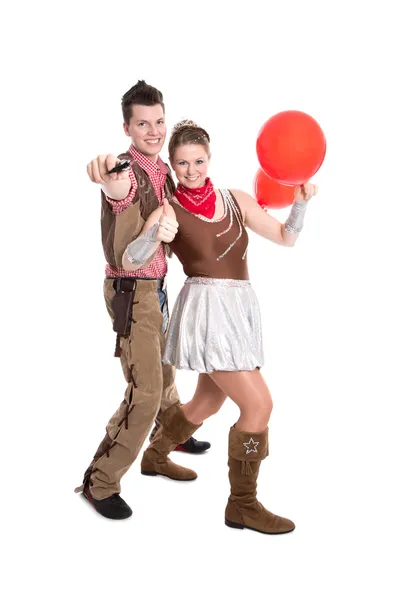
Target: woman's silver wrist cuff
[[140, 250], [295, 221]]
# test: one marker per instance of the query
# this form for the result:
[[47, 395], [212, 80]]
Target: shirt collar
[[148, 165]]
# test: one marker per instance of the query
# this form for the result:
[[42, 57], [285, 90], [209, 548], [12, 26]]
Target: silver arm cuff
[[295, 221], [138, 251]]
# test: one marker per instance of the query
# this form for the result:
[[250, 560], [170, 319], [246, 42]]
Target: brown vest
[[119, 230], [197, 246]]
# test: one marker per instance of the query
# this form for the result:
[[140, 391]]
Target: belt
[[128, 284]]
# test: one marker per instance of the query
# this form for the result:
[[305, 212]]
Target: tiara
[[184, 123], [189, 123]]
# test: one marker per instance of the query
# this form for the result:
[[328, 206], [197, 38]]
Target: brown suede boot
[[246, 451], [174, 430]]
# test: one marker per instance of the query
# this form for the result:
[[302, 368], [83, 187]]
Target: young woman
[[215, 327]]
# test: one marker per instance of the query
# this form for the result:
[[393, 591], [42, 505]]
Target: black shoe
[[111, 508], [193, 446]]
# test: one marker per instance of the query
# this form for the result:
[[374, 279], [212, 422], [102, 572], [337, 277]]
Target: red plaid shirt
[[157, 173]]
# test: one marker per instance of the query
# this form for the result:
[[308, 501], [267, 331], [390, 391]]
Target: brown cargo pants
[[151, 389]]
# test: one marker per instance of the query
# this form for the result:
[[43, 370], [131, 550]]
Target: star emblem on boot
[[251, 446]]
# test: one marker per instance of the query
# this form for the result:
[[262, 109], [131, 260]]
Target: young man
[[136, 301]]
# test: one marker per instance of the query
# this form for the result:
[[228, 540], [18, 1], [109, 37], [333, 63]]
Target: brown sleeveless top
[[214, 249]]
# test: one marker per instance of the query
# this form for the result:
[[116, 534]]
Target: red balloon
[[270, 193], [291, 147]]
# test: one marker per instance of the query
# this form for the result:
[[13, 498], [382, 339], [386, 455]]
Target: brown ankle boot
[[174, 430], [246, 451]]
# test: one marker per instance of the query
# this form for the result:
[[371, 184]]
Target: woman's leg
[[250, 392], [207, 400], [248, 446]]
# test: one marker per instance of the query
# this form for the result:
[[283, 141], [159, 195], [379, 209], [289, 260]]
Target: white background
[[329, 306]]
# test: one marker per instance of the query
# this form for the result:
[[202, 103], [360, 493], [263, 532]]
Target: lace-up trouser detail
[[150, 388]]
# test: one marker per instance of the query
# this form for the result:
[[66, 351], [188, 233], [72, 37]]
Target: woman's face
[[190, 164]]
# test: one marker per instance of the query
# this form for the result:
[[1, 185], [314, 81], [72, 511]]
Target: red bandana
[[200, 201]]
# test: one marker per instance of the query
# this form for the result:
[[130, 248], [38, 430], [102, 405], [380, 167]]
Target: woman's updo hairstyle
[[188, 132]]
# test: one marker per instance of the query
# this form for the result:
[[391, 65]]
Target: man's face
[[147, 129]]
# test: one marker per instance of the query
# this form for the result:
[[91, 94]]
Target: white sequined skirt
[[215, 326]]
